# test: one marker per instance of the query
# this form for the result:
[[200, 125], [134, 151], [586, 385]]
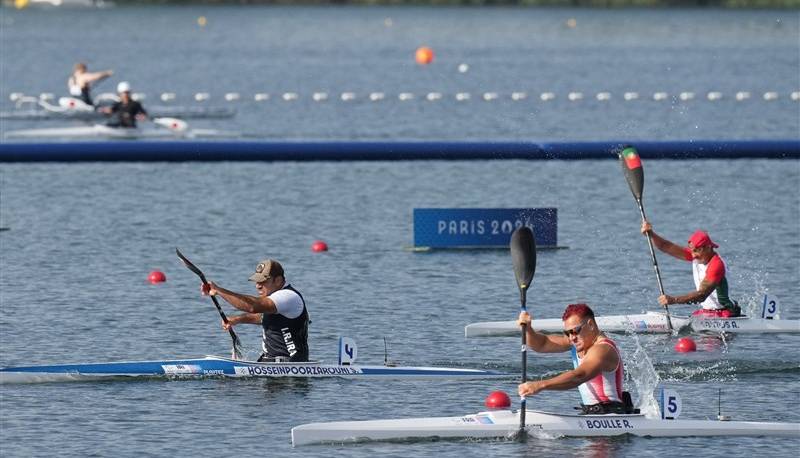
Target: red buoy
[[157, 276], [424, 55], [498, 400], [685, 345], [319, 246]]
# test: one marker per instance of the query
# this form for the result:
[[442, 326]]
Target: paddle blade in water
[[523, 255], [632, 168]]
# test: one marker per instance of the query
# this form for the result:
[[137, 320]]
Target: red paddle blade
[[633, 170]]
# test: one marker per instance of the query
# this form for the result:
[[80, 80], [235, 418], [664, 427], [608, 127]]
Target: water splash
[[640, 371]]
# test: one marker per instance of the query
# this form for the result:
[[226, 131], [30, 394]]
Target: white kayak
[[185, 112], [100, 131], [94, 131], [75, 108], [650, 322], [505, 423], [653, 322]]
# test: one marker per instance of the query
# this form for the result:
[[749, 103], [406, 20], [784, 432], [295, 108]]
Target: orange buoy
[[498, 400], [319, 246], [424, 55], [156, 276], [685, 345]]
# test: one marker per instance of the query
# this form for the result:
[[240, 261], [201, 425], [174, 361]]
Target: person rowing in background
[[708, 269], [81, 80], [278, 308], [125, 112], [598, 369]]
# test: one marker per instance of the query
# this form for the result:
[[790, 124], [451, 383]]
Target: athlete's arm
[[663, 244], [540, 342], [252, 318], [96, 76], [695, 297], [243, 302]]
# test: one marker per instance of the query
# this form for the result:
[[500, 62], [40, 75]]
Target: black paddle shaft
[[634, 174], [652, 250], [523, 255], [237, 344]]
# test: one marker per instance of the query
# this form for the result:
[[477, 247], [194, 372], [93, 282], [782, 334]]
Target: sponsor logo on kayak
[[642, 325], [294, 370], [182, 369], [608, 423]]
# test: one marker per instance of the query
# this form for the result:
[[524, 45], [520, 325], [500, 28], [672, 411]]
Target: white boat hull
[[650, 322], [505, 423], [94, 131]]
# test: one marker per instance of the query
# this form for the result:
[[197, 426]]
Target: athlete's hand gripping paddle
[[634, 174], [237, 344], [523, 255]]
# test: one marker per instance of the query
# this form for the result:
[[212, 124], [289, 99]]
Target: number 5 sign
[[670, 403]]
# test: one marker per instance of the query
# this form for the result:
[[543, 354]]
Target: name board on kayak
[[482, 227]]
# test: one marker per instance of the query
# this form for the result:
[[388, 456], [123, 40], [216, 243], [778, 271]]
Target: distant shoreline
[[760, 4]]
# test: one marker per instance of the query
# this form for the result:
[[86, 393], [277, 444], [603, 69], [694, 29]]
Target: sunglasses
[[576, 330]]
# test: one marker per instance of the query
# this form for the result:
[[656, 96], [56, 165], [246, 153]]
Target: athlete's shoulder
[[717, 263]]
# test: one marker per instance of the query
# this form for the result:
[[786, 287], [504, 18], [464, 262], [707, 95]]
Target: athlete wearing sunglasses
[[598, 371]]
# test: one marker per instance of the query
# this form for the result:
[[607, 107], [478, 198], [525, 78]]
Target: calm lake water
[[83, 237], [667, 54]]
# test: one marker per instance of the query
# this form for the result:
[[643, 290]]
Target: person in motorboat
[[708, 269], [81, 80], [279, 308], [126, 111], [597, 364]]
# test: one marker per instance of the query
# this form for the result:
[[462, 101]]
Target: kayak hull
[[94, 131], [211, 366], [648, 323], [505, 423]]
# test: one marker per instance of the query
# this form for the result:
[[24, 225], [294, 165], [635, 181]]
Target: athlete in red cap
[[709, 274]]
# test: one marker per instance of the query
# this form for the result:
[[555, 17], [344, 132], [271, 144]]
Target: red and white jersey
[[605, 386], [713, 272]]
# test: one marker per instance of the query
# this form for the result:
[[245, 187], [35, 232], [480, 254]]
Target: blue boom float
[[182, 151]]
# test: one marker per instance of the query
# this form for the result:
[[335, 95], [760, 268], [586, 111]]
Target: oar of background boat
[[634, 175], [523, 255], [176, 125], [237, 344]]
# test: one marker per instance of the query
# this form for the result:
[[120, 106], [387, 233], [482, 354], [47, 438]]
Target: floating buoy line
[[488, 96]]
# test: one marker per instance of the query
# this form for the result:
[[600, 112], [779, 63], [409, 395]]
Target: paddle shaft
[[523, 256], [523, 308], [236, 342], [655, 262]]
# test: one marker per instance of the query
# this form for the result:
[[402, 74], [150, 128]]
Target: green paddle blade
[[632, 168], [523, 255]]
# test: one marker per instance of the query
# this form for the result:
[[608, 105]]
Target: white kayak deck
[[505, 423], [650, 322], [100, 131]]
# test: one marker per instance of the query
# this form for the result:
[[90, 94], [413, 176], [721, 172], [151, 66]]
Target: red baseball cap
[[700, 239]]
